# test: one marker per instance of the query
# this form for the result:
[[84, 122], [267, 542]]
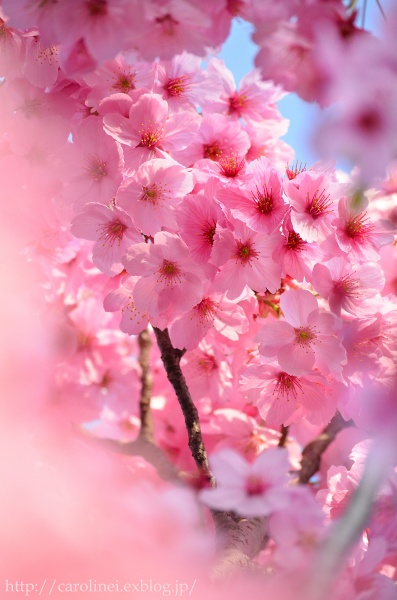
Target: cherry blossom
[[258, 202], [152, 194], [245, 258], [313, 208], [93, 165], [255, 489], [169, 281], [149, 130], [306, 337], [347, 287], [113, 232], [357, 235], [212, 311], [283, 398]]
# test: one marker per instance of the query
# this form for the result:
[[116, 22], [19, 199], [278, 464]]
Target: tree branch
[[238, 543], [171, 359], [145, 344], [283, 436], [311, 455]]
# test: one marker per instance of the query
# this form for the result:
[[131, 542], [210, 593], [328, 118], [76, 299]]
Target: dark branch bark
[[238, 543], [145, 344], [311, 455], [238, 540], [171, 359], [283, 436]]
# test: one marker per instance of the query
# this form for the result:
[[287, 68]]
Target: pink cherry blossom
[[132, 321], [251, 489], [264, 139], [207, 372], [197, 217], [230, 167], [313, 206], [212, 311], [40, 63], [151, 195], [298, 532], [170, 281], [357, 235], [258, 200], [173, 26], [286, 58], [283, 398], [26, 14], [184, 84], [93, 165], [245, 258], [118, 76], [113, 232], [306, 337], [254, 101], [10, 49], [217, 137], [296, 255], [149, 130], [103, 25], [347, 287]]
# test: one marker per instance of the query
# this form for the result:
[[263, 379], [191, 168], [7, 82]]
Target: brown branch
[[238, 543], [238, 540], [145, 343], [171, 358], [283, 436], [311, 455]]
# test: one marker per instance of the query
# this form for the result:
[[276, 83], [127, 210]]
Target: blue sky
[[238, 53]]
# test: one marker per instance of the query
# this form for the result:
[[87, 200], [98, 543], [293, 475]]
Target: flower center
[[304, 335], [370, 121], [97, 8], [169, 273], [206, 309], [231, 166], [125, 82], [295, 241], [112, 232], [178, 86], [348, 287], [208, 232], [97, 168], [237, 102], [318, 204], [358, 226], [264, 200], [151, 135], [212, 151], [255, 486], [207, 363], [168, 24], [150, 193], [286, 385], [245, 252]]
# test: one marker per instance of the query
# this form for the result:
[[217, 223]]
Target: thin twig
[[145, 343], [171, 358], [311, 455]]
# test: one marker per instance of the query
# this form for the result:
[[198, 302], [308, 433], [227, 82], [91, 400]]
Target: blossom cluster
[[150, 191]]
